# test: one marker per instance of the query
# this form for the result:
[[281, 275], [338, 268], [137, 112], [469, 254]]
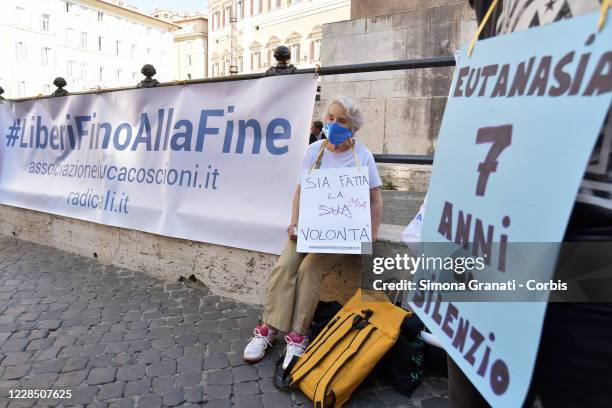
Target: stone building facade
[[403, 108], [91, 43]]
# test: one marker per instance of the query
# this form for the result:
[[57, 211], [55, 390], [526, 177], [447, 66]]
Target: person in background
[[575, 352], [316, 131], [295, 281]]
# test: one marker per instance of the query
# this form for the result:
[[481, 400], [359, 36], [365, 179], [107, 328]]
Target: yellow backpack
[[346, 350]]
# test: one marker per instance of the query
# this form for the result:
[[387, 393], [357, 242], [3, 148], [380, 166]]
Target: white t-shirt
[[343, 159]]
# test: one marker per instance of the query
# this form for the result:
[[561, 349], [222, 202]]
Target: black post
[[60, 83], [149, 72], [1, 92], [282, 55]]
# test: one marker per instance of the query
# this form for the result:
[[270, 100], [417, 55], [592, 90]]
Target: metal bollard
[[148, 71], [282, 54], [60, 83]]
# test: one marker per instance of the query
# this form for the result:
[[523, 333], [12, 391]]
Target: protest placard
[[517, 133], [334, 211]]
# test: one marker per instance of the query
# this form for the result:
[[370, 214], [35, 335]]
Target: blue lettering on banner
[[86, 132]]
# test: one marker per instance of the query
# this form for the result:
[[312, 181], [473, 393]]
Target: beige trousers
[[295, 287]]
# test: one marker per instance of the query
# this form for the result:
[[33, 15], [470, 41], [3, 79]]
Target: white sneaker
[[296, 345], [256, 349]]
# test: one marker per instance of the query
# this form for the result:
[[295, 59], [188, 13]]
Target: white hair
[[353, 111]]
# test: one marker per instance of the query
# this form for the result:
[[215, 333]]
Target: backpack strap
[[322, 393], [304, 366]]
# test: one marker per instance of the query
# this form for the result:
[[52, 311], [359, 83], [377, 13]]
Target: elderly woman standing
[[295, 280]]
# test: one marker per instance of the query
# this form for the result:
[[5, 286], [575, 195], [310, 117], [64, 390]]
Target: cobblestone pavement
[[120, 338]]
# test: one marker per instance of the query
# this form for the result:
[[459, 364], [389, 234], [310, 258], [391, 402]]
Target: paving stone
[[236, 359], [72, 378], [266, 370], [83, 395], [124, 359], [38, 334], [245, 373], [188, 365], [50, 324], [189, 379], [139, 345], [215, 392], [49, 366], [160, 332], [219, 347], [39, 381], [111, 391], [279, 399], [135, 334], [209, 337], [138, 387], [63, 341], [149, 356], [117, 347], [173, 353], [163, 343], [163, 368], [225, 403], [122, 403], [91, 350], [195, 394], [267, 385], [253, 401], [101, 375], [219, 377], [39, 344], [150, 401], [14, 345], [215, 362], [129, 373], [163, 384], [104, 360], [187, 340], [16, 372], [75, 363], [246, 388], [173, 397], [226, 324]]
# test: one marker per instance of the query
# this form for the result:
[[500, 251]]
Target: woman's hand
[[291, 231]]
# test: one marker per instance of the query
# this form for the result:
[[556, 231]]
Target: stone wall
[[236, 273], [369, 8], [403, 108]]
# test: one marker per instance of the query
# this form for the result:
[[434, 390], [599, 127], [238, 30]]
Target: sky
[[177, 5]]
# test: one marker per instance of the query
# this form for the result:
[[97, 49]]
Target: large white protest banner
[[334, 211], [212, 162]]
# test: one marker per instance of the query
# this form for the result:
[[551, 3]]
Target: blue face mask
[[337, 134]]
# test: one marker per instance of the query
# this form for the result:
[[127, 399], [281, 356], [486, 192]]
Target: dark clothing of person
[[313, 137]]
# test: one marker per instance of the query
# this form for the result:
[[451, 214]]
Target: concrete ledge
[[236, 273]]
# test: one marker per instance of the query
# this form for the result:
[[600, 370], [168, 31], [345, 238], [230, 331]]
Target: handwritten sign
[[517, 133], [334, 211]]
